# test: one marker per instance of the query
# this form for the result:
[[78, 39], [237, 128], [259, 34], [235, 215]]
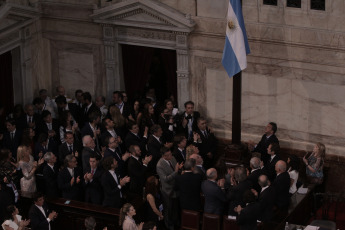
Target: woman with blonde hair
[[314, 164], [190, 150], [126, 218], [28, 166]]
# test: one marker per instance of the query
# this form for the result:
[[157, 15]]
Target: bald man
[[282, 186], [215, 198]]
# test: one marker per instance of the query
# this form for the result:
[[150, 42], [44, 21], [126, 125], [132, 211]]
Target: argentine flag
[[236, 43]]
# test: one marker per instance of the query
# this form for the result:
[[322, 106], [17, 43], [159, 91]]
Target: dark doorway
[[145, 68], [6, 85]]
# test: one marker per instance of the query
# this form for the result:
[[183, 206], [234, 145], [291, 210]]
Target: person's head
[[280, 167], [95, 117], [255, 162], [38, 199], [5, 155], [78, 95], [263, 181], [60, 90], [23, 151], [93, 161], [198, 159], [189, 164], [273, 149], [169, 105], [136, 105], [126, 210], [11, 211], [117, 97], [202, 123], [88, 142], [61, 101], [108, 124], [180, 141], [43, 139], [29, 110], [294, 162], [70, 161], [320, 150], [135, 150], [109, 163], [43, 94], [149, 226], [190, 150], [156, 130], [189, 107], [151, 185], [240, 174], [124, 97], [50, 158], [111, 142], [86, 98], [100, 101], [133, 127], [90, 223], [248, 197], [211, 174], [69, 138], [10, 125], [47, 116], [38, 103], [271, 128], [166, 153], [148, 109]]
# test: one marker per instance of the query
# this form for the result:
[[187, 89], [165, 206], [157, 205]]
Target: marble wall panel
[[212, 9]]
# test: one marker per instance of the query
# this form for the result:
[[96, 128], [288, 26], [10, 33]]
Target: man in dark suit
[[92, 129], [29, 119], [70, 179], [118, 101], [208, 142], [88, 108], [180, 148], [89, 148], [282, 186], [50, 174], [247, 215], [62, 105], [69, 147], [109, 131], [188, 186], [49, 126], [214, 196], [12, 137], [137, 170], [133, 137], [255, 173], [188, 120], [266, 199], [268, 138], [199, 168], [269, 168], [167, 170], [92, 182], [112, 184], [43, 145], [39, 214]]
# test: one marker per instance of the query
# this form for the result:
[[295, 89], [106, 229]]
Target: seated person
[[314, 164], [293, 165]]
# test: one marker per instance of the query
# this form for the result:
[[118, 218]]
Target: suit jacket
[[93, 189], [247, 219], [282, 186], [179, 156], [75, 112], [86, 130], [189, 187], [64, 151], [112, 193], [214, 198], [262, 146], [132, 139], [167, 176], [43, 128], [37, 220], [73, 192], [121, 169], [154, 149], [269, 169], [52, 147], [10, 144], [85, 116], [137, 173], [168, 135], [22, 122], [201, 171], [195, 117], [51, 181], [266, 203], [253, 177], [235, 195]]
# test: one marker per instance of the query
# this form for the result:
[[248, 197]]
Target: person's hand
[[126, 156], [76, 154], [78, 180], [130, 117], [119, 140], [124, 180], [72, 181], [233, 181], [178, 166], [34, 164], [261, 164], [221, 182], [105, 228], [146, 131], [40, 161], [161, 217], [140, 226], [1, 136], [40, 154], [238, 209], [147, 160], [24, 223], [52, 215], [98, 131], [305, 160], [168, 144], [254, 192]]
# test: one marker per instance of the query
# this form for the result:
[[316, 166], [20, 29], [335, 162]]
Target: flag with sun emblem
[[236, 43]]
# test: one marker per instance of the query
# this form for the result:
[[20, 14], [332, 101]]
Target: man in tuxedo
[[62, 105], [100, 103], [208, 143], [50, 174], [89, 148], [167, 170], [29, 119], [215, 198], [180, 148], [133, 137], [78, 100], [91, 128], [43, 145], [69, 147], [92, 182], [188, 186], [41, 106], [266, 198], [166, 121], [49, 126], [118, 101], [109, 131], [137, 170], [12, 137], [255, 173], [114, 151], [282, 186], [40, 215], [268, 138], [269, 168], [112, 184], [188, 120], [199, 168], [88, 108], [70, 179]]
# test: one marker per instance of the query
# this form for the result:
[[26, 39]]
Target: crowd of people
[[127, 151]]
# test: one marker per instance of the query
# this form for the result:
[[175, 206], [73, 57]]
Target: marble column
[[182, 78]]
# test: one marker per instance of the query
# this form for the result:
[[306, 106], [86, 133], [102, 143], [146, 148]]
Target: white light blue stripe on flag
[[236, 43]]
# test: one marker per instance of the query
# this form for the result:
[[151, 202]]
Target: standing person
[[92, 181], [180, 148], [14, 220], [100, 103], [12, 137], [50, 175], [167, 170], [148, 118], [188, 120], [293, 165], [247, 216], [126, 218], [282, 186], [153, 202], [314, 164]]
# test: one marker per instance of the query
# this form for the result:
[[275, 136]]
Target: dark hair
[[43, 137], [149, 225], [93, 155], [131, 148], [248, 197], [37, 195], [188, 103], [42, 91], [87, 96], [155, 128], [4, 153], [274, 127], [294, 162], [150, 186], [275, 148], [66, 133], [103, 99], [94, 115], [77, 91], [107, 162], [37, 101], [11, 121], [131, 124], [166, 102], [26, 140], [9, 210], [200, 119], [60, 100], [107, 140], [164, 150], [119, 94], [45, 113], [178, 139]]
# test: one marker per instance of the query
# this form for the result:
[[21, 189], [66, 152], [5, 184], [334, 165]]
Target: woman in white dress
[[14, 221], [294, 163], [126, 218]]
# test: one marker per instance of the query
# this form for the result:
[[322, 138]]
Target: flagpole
[[236, 108]]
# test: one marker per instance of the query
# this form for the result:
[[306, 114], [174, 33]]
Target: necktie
[[72, 173], [117, 182], [205, 134], [93, 171], [184, 154], [70, 149], [30, 119], [12, 136], [171, 166]]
